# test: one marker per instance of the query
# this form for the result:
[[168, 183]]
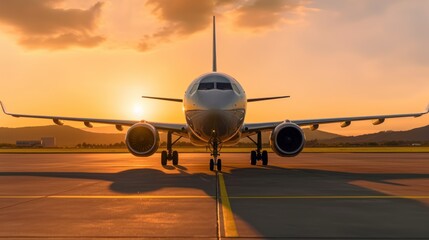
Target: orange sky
[[96, 58]]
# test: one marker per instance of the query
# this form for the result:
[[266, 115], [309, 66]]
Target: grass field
[[226, 150]]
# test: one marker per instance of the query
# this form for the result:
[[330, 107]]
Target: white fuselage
[[215, 107]]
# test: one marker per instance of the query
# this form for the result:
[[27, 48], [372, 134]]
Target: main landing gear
[[214, 148], [170, 155], [258, 155]]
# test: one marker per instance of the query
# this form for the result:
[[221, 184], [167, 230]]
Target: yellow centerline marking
[[228, 218], [106, 197]]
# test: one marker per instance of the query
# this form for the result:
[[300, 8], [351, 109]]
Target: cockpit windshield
[[215, 82], [223, 86], [206, 86]]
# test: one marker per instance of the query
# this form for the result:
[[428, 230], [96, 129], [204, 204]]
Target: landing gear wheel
[[253, 158], [264, 158], [164, 158], [219, 165], [175, 158], [170, 154], [211, 165]]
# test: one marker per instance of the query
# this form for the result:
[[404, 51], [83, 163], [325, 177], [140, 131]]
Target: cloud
[[388, 32], [261, 14], [61, 41], [181, 18], [40, 24], [185, 17], [351, 10]]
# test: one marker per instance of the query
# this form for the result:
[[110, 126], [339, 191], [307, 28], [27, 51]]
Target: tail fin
[[214, 45]]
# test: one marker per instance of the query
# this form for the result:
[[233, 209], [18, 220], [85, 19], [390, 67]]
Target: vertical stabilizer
[[214, 45]]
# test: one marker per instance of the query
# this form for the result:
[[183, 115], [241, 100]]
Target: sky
[[89, 58]]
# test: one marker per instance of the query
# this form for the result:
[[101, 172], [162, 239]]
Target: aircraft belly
[[222, 124]]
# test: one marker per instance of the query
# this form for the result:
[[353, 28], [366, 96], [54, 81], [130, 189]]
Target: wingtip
[[2, 107]]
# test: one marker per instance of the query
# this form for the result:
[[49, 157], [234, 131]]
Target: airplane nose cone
[[216, 100], [215, 113], [222, 124], [216, 123]]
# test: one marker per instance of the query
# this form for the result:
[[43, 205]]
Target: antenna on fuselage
[[214, 45]]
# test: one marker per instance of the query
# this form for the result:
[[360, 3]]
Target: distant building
[[45, 142], [48, 142], [29, 143]]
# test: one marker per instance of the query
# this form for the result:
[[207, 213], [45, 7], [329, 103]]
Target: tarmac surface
[[312, 196]]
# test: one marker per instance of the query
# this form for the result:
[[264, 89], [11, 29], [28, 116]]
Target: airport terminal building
[[44, 142]]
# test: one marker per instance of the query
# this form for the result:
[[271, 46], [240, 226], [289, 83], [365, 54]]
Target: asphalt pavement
[[312, 196]]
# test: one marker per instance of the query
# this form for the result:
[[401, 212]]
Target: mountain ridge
[[67, 136], [420, 134]]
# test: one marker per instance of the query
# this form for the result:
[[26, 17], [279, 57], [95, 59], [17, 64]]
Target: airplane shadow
[[337, 217], [287, 217], [146, 179], [135, 181]]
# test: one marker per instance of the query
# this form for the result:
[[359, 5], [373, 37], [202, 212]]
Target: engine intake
[[142, 139], [287, 139]]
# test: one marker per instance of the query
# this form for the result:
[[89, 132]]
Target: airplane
[[215, 108]]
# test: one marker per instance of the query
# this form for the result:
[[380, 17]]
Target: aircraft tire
[[264, 158], [175, 158], [211, 165], [253, 158], [219, 165], [164, 158]]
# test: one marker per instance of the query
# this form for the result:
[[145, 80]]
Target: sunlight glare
[[138, 111]]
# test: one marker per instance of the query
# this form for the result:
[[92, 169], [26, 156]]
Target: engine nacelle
[[142, 139], [287, 139]]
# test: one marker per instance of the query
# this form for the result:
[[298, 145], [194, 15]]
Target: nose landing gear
[[170, 154], [214, 144], [258, 155]]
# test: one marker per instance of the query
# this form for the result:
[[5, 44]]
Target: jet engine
[[287, 139], [142, 139]]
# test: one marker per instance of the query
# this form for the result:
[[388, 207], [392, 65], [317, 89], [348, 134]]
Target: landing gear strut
[[258, 155], [214, 144], [170, 155]]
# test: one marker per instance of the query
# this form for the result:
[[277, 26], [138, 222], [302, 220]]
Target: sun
[[138, 111]]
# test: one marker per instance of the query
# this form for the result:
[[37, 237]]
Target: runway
[[312, 196]]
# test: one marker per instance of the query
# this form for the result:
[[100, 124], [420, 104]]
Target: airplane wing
[[176, 128], [251, 128], [164, 99], [265, 98]]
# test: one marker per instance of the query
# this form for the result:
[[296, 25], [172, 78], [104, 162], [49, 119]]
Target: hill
[[319, 135], [65, 135], [414, 135], [70, 136], [309, 135]]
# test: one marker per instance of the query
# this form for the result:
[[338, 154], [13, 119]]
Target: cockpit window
[[215, 82], [194, 88], [223, 86], [206, 86], [236, 89]]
